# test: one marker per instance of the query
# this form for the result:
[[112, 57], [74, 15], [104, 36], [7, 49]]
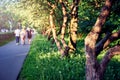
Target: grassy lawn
[[44, 63]]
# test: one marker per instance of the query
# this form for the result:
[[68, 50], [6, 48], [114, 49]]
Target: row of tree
[[61, 19], [94, 43], [8, 20]]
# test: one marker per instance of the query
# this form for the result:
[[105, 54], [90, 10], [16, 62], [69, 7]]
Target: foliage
[[38, 13], [32, 13], [7, 14]]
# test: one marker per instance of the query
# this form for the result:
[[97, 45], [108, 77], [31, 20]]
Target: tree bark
[[64, 52], [100, 44], [92, 66], [64, 24], [106, 41], [112, 38], [74, 25], [53, 28], [54, 32]]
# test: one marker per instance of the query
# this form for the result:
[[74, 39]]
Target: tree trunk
[[92, 66], [73, 25], [53, 28], [63, 28], [54, 33]]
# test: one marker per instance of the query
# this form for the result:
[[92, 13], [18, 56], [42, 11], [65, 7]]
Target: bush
[[5, 38]]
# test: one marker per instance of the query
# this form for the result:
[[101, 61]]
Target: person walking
[[17, 35], [29, 35], [23, 36]]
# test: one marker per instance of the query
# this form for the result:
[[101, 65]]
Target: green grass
[[44, 63]]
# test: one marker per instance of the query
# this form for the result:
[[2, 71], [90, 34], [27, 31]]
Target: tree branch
[[100, 44], [96, 30], [106, 41], [111, 53], [64, 24], [112, 38]]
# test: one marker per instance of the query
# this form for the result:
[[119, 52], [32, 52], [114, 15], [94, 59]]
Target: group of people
[[22, 34]]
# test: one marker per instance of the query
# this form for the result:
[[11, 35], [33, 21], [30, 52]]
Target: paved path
[[11, 59]]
